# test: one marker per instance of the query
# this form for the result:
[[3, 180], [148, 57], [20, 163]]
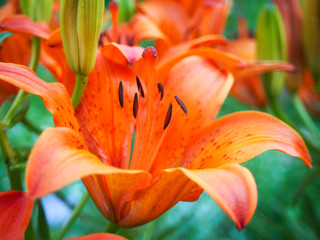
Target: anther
[[120, 91], [168, 117], [135, 105], [140, 88], [182, 105], [161, 90]]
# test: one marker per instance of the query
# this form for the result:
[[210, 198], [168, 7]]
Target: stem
[[43, 228], [305, 117], [76, 212], [8, 155], [112, 228], [34, 61], [31, 126], [21, 96], [30, 234], [81, 83]]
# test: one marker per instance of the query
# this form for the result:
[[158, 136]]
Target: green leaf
[[4, 35]]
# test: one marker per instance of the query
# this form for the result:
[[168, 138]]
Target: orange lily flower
[[247, 86], [247, 89], [178, 151]]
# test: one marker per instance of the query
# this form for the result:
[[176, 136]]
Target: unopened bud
[[81, 22], [271, 45], [311, 35], [37, 10], [126, 10]]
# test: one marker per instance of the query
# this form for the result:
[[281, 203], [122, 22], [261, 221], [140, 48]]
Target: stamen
[[182, 105], [140, 88], [168, 117], [135, 105], [130, 40], [161, 90], [100, 42], [120, 94]]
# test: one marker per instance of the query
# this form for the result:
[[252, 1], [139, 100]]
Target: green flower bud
[[271, 44], [81, 22], [126, 10], [311, 35], [37, 10]]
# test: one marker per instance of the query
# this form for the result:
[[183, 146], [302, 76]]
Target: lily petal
[[240, 136], [227, 60], [203, 87], [65, 161], [122, 54], [99, 236], [15, 212], [23, 24], [231, 186], [54, 95], [254, 69]]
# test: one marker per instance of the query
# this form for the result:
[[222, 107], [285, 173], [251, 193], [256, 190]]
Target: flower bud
[[81, 22], [126, 10], [311, 35], [271, 45], [37, 10]]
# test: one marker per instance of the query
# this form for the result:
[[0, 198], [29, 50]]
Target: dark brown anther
[[140, 88], [168, 117], [120, 91], [100, 42], [130, 40], [119, 39], [135, 105], [161, 90], [182, 105]]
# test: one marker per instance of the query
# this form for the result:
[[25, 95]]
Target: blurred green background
[[278, 178]]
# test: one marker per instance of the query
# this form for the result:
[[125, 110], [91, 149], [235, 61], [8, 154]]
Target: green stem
[[30, 234], [31, 126], [8, 155], [21, 96], [34, 61], [305, 117], [76, 212], [81, 83], [43, 228], [112, 228]]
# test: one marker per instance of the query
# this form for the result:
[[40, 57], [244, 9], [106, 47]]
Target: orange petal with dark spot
[[66, 160], [241, 136]]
